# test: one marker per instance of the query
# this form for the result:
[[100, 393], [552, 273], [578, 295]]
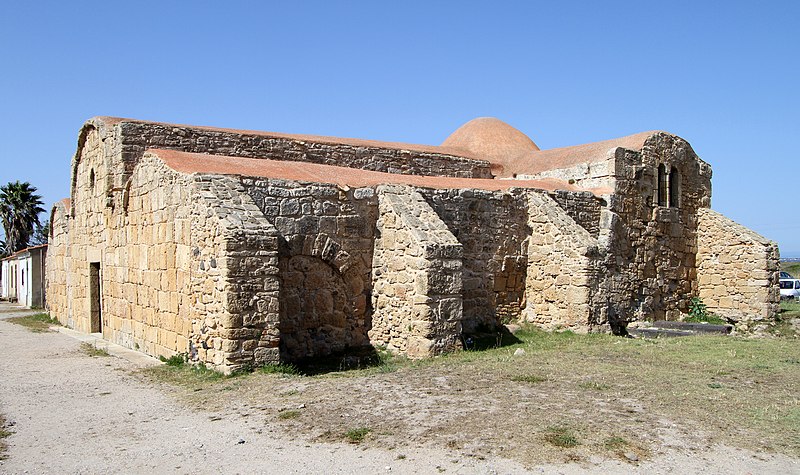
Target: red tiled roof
[[509, 151], [311, 172], [21, 251], [309, 138]]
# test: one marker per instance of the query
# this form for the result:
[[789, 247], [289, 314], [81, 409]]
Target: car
[[790, 288], [786, 275]]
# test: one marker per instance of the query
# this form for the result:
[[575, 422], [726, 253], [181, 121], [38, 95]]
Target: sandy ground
[[72, 413]]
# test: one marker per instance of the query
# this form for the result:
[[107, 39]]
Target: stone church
[[247, 248]]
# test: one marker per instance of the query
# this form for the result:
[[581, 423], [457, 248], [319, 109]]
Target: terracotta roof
[[536, 162], [307, 138], [311, 172], [22, 251], [492, 140], [509, 151]]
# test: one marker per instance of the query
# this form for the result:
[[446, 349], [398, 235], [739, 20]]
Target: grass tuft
[[3, 434], [93, 351], [615, 443], [357, 435], [285, 415], [529, 378], [37, 323], [595, 386], [561, 436]]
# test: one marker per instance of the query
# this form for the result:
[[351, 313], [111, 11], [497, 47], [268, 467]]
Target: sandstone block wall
[[737, 270], [325, 261], [57, 278], [492, 228], [563, 268], [235, 278], [124, 143], [417, 293]]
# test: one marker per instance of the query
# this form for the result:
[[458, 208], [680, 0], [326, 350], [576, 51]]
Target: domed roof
[[492, 140]]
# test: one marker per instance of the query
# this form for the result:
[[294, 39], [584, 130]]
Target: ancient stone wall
[[649, 269], [145, 263], [600, 173], [417, 293], [737, 270], [88, 223], [492, 227], [56, 275], [235, 279], [131, 139], [326, 245], [583, 207], [563, 267]]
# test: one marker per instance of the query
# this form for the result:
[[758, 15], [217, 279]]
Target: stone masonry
[[243, 248]]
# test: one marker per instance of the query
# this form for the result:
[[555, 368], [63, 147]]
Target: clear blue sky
[[723, 75]]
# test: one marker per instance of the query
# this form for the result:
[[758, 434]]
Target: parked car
[[790, 288], [786, 275]]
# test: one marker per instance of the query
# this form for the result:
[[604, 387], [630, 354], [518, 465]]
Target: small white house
[[22, 276]]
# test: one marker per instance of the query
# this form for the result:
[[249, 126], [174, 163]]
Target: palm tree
[[19, 212]]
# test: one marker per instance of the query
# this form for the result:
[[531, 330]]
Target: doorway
[[95, 293]]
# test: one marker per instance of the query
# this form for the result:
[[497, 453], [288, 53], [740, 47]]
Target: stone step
[[676, 329], [694, 327], [658, 333]]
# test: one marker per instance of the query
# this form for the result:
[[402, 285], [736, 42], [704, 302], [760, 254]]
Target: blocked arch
[[322, 290]]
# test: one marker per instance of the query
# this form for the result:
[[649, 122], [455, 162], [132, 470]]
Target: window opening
[[674, 188], [662, 185]]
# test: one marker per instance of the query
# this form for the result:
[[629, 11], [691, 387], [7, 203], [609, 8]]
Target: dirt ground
[[75, 413]]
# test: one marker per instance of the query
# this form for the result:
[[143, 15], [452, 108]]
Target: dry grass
[[37, 323], [4, 432], [93, 351], [613, 395]]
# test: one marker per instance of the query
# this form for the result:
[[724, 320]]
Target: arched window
[[674, 188], [662, 185]]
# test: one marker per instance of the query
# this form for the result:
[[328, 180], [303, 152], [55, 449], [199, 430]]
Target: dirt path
[[72, 413]]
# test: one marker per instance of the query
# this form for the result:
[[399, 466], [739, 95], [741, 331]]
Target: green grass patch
[[561, 436], [37, 323], [176, 370], [289, 414], [93, 351], [792, 268], [357, 435]]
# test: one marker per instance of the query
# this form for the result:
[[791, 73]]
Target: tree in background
[[41, 233], [19, 212]]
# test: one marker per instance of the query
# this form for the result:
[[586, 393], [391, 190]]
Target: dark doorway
[[95, 293]]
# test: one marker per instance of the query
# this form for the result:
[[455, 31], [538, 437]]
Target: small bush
[[355, 436], [176, 360], [698, 313], [561, 436]]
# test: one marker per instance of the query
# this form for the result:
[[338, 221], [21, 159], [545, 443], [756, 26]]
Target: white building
[[22, 276]]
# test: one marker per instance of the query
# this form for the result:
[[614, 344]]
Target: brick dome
[[492, 140]]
